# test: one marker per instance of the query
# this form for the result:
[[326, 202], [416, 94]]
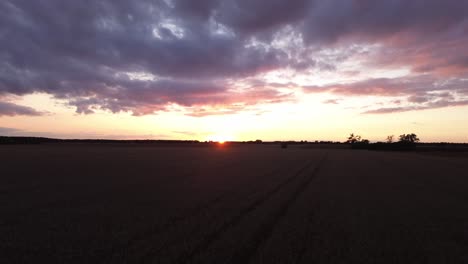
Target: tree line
[[405, 142]]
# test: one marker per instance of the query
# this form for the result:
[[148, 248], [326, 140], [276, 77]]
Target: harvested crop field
[[123, 203]]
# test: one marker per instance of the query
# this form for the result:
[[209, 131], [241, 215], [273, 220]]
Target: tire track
[[265, 231], [216, 234], [116, 250], [150, 255]]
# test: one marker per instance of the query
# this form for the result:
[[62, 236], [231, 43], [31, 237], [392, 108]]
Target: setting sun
[[220, 138]]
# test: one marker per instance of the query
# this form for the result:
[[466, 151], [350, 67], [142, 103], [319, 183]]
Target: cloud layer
[[10, 109], [143, 56]]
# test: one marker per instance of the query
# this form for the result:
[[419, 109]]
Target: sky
[[234, 69]]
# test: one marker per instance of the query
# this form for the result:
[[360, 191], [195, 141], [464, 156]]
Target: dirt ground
[[122, 203]]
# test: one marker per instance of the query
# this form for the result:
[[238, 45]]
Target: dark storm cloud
[[332, 20], [246, 16], [140, 56], [10, 109], [78, 51]]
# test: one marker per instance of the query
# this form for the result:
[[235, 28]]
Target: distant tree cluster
[[405, 142], [409, 138], [357, 142]]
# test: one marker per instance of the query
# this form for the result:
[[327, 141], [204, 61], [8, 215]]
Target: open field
[[112, 203]]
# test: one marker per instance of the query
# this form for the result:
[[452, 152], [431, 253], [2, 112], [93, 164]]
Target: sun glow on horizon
[[220, 138]]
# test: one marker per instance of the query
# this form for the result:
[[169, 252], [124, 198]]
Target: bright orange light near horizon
[[221, 139]]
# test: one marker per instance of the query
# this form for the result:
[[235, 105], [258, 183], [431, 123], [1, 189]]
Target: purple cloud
[[143, 56], [8, 131], [416, 87], [10, 109], [430, 105]]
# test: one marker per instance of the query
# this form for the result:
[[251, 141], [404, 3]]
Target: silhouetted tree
[[390, 138], [353, 138], [409, 138], [357, 142]]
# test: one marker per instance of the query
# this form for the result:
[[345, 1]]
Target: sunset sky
[[234, 70]]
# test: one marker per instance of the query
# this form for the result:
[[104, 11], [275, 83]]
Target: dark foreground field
[[78, 203]]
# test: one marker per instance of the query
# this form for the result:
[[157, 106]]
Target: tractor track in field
[[235, 220], [117, 248], [155, 230], [147, 257], [261, 235]]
